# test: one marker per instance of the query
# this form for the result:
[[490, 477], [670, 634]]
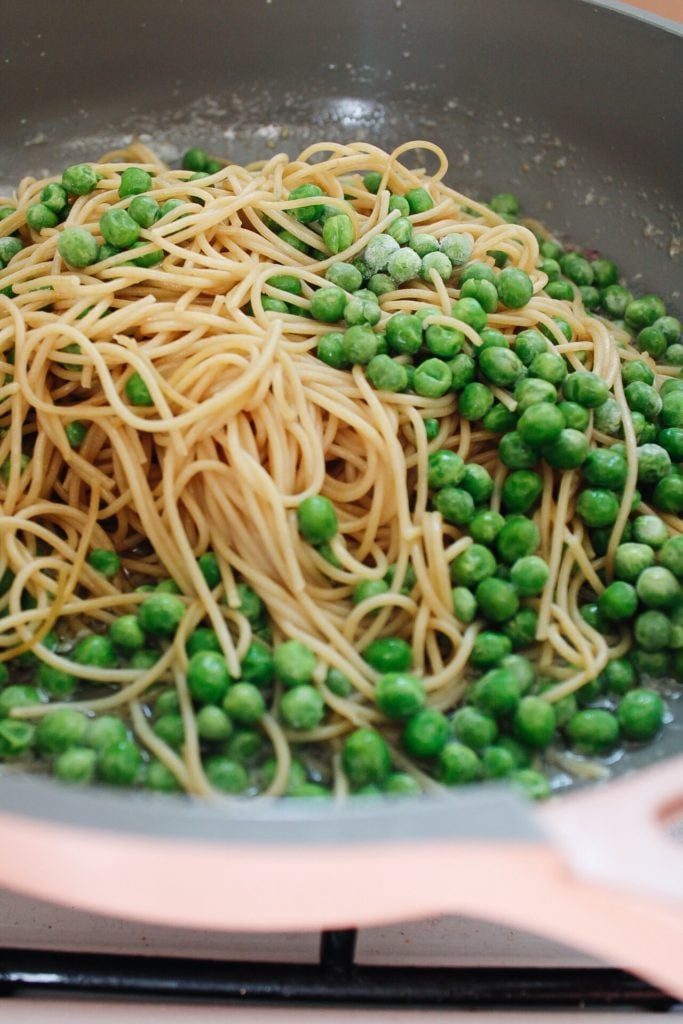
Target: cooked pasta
[[195, 409]]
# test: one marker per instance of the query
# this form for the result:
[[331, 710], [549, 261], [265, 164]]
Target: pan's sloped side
[[572, 105]]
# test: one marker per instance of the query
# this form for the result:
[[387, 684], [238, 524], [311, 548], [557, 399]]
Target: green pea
[[478, 482], [643, 312], [77, 247], [105, 562], [118, 764], [208, 677], [119, 229], [485, 526], [671, 438], [9, 247], [95, 650], [378, 252], [344, 275], [618, 601], [650, 530], [226, 775], [372, 182], [16, 738], [331, 350], [549, 366], [640, 714], [464, 604], [404, 333], [327, 304], [170, 729], [399, 695], [362, 311], [144, 660], [309, 213], [137, 391], [317, 519], [432, 378], [492, 338], [597, 507], [436, 262], [79, 179], [541, 424], [18, 696], [531, 783], [458, 247], [489, 648], [105, 730], [505, 203], [561, 325], [672, 409], [40, 216], [515, 453], [668, 494], [474, 728], [497, 762], [134, 181], [619, 676], [360, 344], [532, 390], [534, 722], [657, 587], [636, 369], [586, 388], [455, 505], [497, 692], [671, 556], [643, 398], [468, 311], [389, 654], [160, 614], [631, 559], [338, 233], [244, 703], [593, 731], [501, 366], [462, 371], [419, 200], [529, 344], [423, 244], [475, 401], [55, 682], [514, 287], [529, 575], [294, 663], [603, 467], [518, 537], [590, 297], [458, 765], [475, 564], [126, 633], [401, 230], [652, 630], [497, 599], [385, 374], [522, 669], [195, 159], [366, 758], [577, 268]]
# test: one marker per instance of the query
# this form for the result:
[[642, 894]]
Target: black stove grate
[[335, 979]]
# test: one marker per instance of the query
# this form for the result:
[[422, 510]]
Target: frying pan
[[575, 106]]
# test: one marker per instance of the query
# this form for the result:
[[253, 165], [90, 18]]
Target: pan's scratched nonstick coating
[[571, 105]]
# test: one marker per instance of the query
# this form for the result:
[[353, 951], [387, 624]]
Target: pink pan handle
[[212, 884]]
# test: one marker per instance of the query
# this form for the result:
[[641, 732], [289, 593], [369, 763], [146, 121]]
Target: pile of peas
[[504, 724], [119, 226]]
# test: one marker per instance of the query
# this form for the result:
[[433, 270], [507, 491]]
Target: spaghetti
[[241, 423]]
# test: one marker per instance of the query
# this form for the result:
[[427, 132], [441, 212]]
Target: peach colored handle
[[289, 887], [617, 834]]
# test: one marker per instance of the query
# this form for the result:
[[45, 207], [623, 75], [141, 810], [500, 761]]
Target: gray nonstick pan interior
[[574, 106]]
